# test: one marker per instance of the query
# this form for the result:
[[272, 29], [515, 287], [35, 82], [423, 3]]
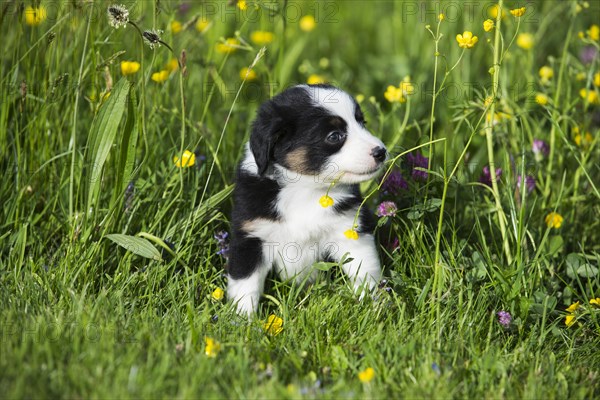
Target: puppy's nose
[[379, 153]]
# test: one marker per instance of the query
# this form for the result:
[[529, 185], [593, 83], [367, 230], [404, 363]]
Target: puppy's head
[[316, 130]]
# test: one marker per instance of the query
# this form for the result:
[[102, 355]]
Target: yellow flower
[[441, 17], [595, 301], [466, 40], [554, 220], [573, 307], [582, 140], [211, 347], [569, 320], [498, 117], [218, 294], [590, 96], [580, 76], [351, 234], [34, 16], [594, 32], [229, 46], [176, 27], [261, 37], [393, 94], [274, 325], [172, 65], [360, 98], [325, 201], [597, 79], [406, 86], [308, 23], [488, 101], [187, 160], [315, 79], [518, 12], [366, 375], [546, 73], [129, 67], [541, 99], [399, 94], [493, 12], [242, 5], [202, 24], [248, 74], [160, 76], [488, 25], [525, 41]]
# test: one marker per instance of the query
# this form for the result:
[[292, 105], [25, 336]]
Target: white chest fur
[[305, 232]]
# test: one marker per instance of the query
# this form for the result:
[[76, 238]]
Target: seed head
[[152, 38], [118, 15]]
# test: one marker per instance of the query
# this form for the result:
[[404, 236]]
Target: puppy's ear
[[266, 130]]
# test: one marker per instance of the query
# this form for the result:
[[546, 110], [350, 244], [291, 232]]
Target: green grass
[[87, 315]]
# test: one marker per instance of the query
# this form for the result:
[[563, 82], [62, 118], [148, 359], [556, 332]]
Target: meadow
[[120, 128]]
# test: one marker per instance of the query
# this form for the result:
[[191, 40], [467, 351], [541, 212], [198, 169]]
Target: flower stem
[[437, 38], [489, 126]]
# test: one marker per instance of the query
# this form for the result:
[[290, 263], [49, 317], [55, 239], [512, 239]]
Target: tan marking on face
[[297, 160]]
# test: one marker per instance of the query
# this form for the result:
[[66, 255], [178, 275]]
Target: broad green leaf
[[136, 245], [587, 271], [103, 133], [573, 262], [555, 245]]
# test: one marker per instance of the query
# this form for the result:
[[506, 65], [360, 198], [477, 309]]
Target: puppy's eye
[[335, 137]]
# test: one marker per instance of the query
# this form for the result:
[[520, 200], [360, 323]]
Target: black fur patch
[[350, 202]]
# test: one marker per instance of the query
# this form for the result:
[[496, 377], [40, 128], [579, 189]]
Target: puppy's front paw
[[244, 294]]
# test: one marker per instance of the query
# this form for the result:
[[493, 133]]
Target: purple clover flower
[[418, 160], [394, 183], [529, 183], [486, 176], [223, 243], [387, 209], [184, 8], [504, 318], [540, 147], [393, 245], [587, 54]]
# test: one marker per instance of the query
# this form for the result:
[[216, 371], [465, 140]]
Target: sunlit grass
[[119, 161]]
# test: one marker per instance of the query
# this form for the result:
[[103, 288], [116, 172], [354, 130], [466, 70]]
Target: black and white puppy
[[302, 140]]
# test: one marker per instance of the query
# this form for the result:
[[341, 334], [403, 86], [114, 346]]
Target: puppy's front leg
[[248, 269], [364, 270]]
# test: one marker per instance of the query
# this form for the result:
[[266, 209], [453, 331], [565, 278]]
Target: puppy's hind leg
[[248, 270]]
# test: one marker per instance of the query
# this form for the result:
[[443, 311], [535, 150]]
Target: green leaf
[[136, 245], [323, 266], [432, 205], [555, 245], [573, 262], [103, 133], [127, 149], [414, 215], [587, 271]]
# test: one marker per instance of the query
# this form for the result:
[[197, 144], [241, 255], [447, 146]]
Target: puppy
[[302, 140]]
